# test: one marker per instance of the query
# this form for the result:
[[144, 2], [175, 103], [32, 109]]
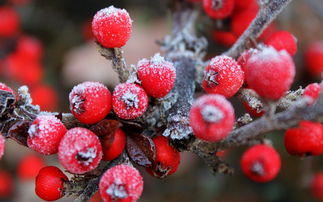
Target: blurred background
[[48, 45]]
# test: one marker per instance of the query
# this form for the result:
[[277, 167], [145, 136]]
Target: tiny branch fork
[[267, 13]]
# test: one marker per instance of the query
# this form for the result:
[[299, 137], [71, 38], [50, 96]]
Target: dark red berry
[[218, 9], [9, 22], [224, 37], [79, 151], [260, 163], [6, 184], [122, 183], [317, 185], [211, 117], [113, 150], [314, 58]]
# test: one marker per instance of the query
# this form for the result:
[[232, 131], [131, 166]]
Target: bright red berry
[[90, 102], [45, 134], [241, 20], [314, 58], [270, 73], [122, 183], [157, 76], [29, 166], [9, 22], [211, 117], [223, 76], [79, 151], [2, 145], [283, 40], [313, 91], [305, 140], [218, 9], [50, 183], [114, 149], [6, 88], [6, 184], [30, 47], [129, 101], [224, 37], [317, 185], [244, 57], [112, 27], [45, 96], [260, 163], [167, 158], [245, 4]]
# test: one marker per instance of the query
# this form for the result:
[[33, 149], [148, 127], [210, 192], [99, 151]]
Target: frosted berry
[[157, 76], [260, 163], [167, 158], [283, 40], [114, 149], [6, 184], [224, 37], [112, 27], [313, 91], [270, 73], [211, 117], [9, 22], [305, 140], [244, 57], [90, 102], [314, 58], [122, 183], [45, 134], [6, 88], [44, 96], [2, 145], [218, 9], [317, 185], [50, 183], [252, 103], [79, 151], [223, 76], [129, 101], [29, 47], [29, 166]]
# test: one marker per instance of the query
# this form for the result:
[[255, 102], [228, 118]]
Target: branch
[[267, 13]]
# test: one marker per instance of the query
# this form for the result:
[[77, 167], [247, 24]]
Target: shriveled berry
[[79, 151], [283, 40], [9, 22], [29, 166], [45, 96], [129, 101], [2, 145], [260, 163], [223, 76], [218, 9], [122, 183], [157, 76], [313, 91], [30, 48], [6, 184], [314, 58], [167, 158], [224, 37], [211, 117], [90, 102], [113, 150], [50, 183], [45, 134], [317, 185], [112, 27], [305, 140], [270, 72]]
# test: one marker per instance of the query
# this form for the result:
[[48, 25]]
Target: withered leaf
[[19, 132], [105, 130], [7, 99], [141, 149]]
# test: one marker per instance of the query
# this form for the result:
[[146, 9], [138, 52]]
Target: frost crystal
[[117, 191], [86, 157], [211, 114], [130, 99], [257, 168]]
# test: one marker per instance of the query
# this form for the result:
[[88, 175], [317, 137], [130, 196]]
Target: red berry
[[218, 9], [252, 103], [253, 111], [283, 40], [96, 197], [305, 140], [6, 88], [45, 96], [50, 183], [211, 117], [114, 149], [112, 27], [2, 145], [245, 4], [314, 58], [30, 48], [244, 57], [122, 183], [260, 163], [45, 134], [313, 91], [79, 151], [157, 76], [29, 166], [270, 73], [241, 20], [9, 22], [224, 37], [317, 185], [90, 102], [6, 184], [129, 101], [223, 76], [167, 158]]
